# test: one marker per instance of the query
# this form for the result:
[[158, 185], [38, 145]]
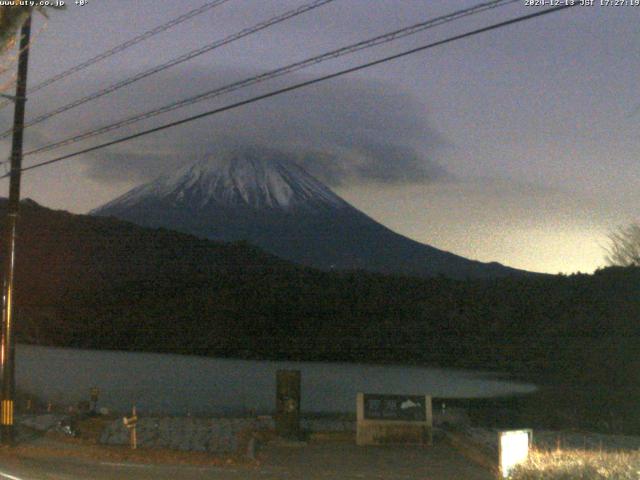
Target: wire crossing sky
[[125, 45], [372, 42], [298, 86], [176, 61]]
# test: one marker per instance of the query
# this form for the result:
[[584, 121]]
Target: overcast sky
[[518, 146]]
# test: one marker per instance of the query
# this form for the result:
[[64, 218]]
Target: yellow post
[[7, 413]]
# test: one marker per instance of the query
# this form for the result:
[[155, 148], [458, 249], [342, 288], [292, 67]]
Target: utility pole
[[7, 347]]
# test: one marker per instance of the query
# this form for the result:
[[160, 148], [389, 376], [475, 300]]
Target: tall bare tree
[[624, 246], [11, 20]]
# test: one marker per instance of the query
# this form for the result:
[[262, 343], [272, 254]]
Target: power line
[[171, 63], [123, 46], [374, 41], [365, 44], [301, 85]]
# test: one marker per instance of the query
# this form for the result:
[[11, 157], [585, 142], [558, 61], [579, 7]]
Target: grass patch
[[579, 464]]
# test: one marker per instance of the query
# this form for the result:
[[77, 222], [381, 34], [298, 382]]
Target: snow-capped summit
[[239, 180], [265, 199]]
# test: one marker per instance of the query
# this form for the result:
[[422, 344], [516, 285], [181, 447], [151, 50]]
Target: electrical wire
[[297, 86], [176, 61], [123, 46], [374, 41]]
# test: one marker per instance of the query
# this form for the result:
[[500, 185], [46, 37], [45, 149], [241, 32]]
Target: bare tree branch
[[11, 20], [624, 247]]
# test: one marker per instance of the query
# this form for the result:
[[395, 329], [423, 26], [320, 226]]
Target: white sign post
[[513, 449]]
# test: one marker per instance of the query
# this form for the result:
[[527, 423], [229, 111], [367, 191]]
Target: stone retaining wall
[[215, 435], [315, 425]]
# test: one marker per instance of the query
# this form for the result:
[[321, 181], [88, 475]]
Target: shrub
[[579, 464]]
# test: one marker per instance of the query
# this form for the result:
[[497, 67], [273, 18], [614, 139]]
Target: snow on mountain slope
[[239, 180]]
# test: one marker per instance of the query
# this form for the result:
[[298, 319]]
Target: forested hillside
[[106, 284]]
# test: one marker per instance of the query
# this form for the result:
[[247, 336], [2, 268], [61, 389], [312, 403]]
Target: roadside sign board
[[394, 419], [408, 408]]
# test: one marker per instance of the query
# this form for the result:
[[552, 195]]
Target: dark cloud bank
[[343, 131]]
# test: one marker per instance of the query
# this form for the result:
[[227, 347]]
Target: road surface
[[311, 462]]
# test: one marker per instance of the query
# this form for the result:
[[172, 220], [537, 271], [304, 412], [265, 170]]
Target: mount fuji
[[265, 199]]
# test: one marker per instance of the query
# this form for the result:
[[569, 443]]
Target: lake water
[[176, 384]]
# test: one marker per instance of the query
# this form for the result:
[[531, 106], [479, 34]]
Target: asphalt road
[[311, 462]]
